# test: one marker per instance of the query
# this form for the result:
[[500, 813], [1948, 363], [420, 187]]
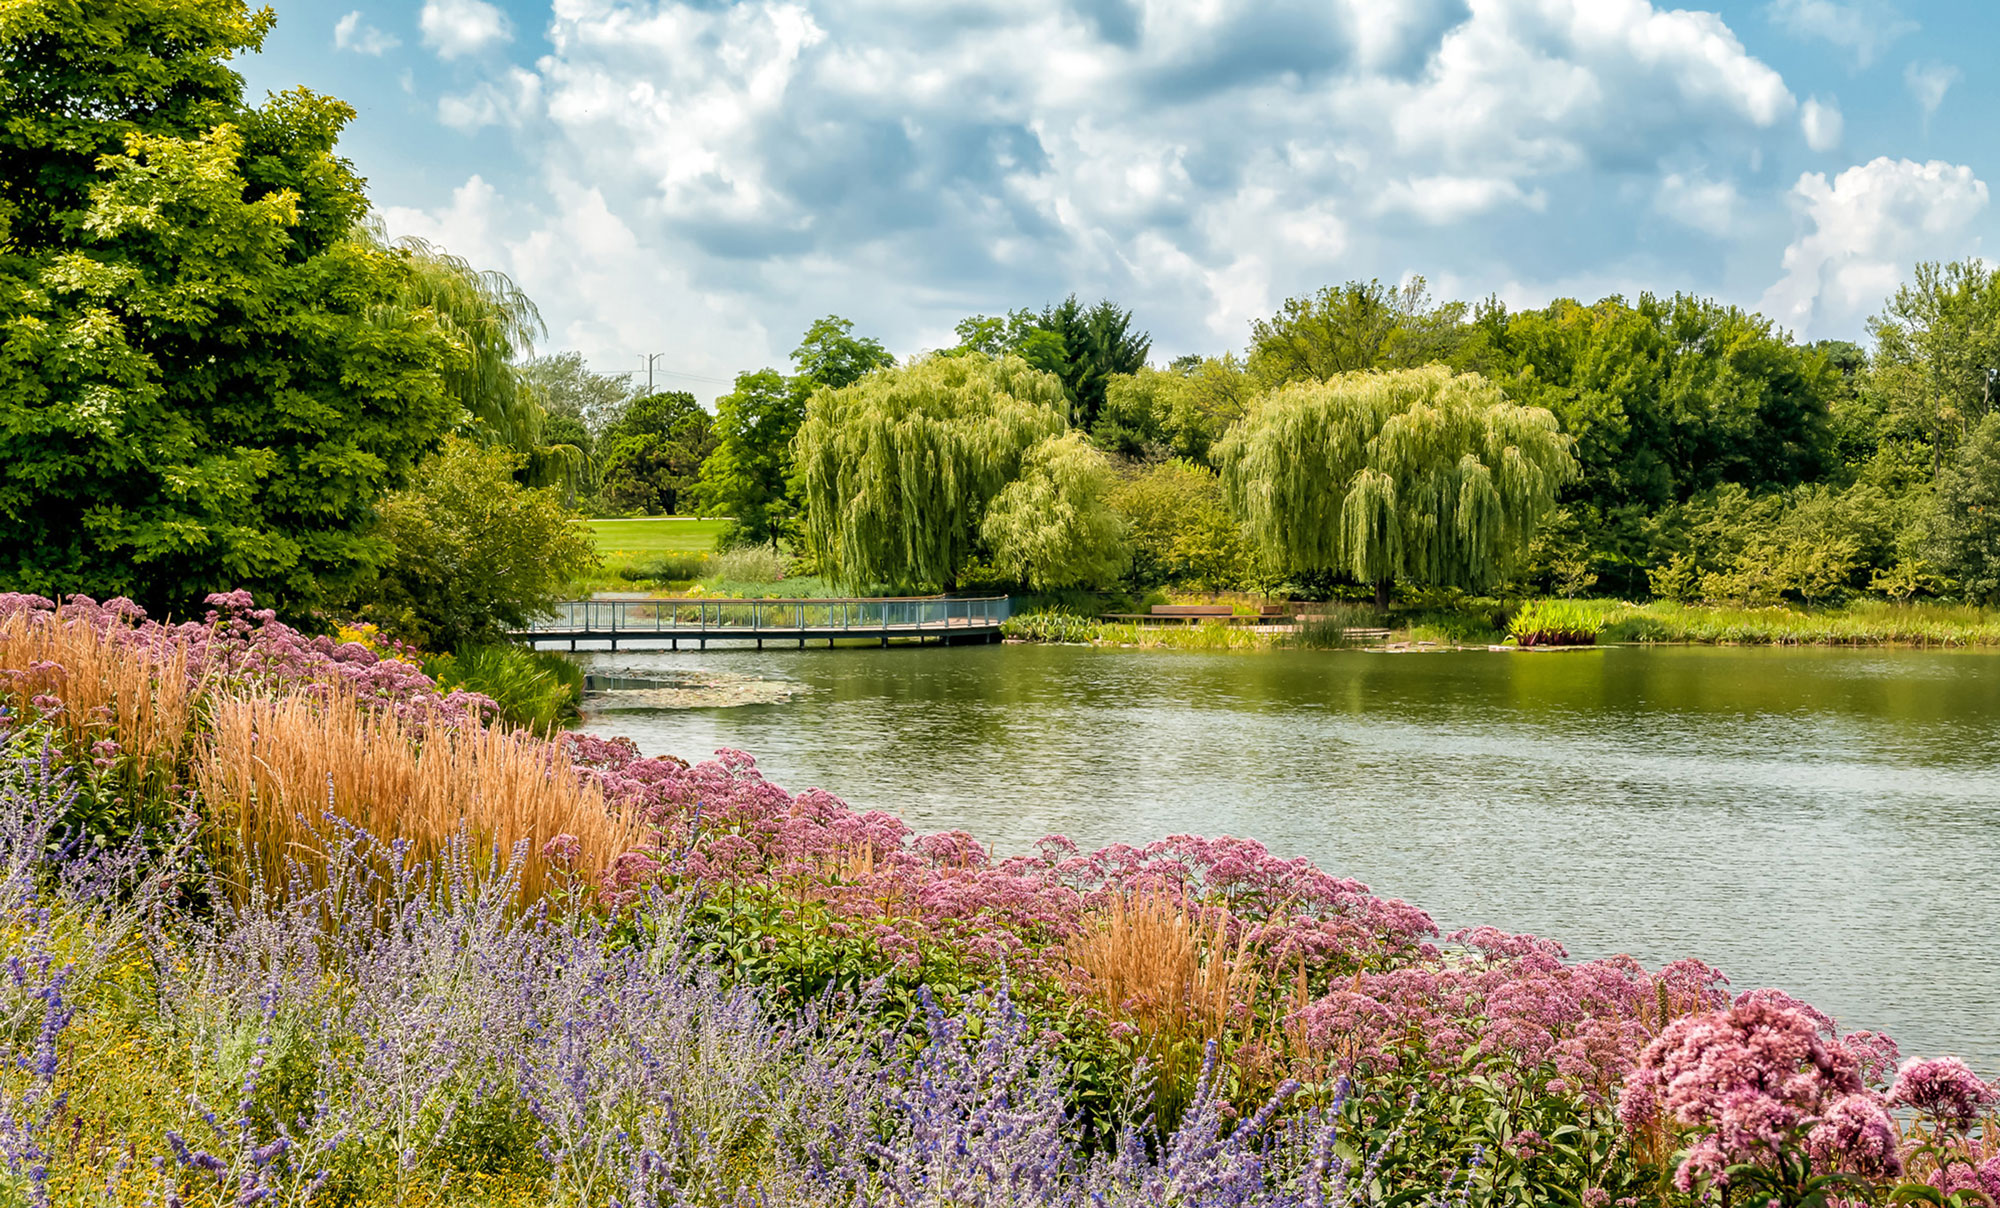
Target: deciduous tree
[[1419, 474], [1054, 527], [475, 553], [207, 380], [897, 471]]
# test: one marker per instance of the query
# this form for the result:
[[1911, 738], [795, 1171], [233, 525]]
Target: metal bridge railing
[[696, 616]]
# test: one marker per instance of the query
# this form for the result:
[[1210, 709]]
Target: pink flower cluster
[[1510, 1005], [1946, 1090], [1756, 1080], [239, 644]]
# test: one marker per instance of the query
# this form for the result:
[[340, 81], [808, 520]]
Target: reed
[[278, 768], [112, 686]]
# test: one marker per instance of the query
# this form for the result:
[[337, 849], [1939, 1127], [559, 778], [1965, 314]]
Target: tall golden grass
[[109, 685], [1153, 961], [277, 766]]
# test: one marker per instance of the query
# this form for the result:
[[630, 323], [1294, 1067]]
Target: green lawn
[[626, 540]]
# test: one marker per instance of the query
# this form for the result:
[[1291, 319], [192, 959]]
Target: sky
[[700, 179]]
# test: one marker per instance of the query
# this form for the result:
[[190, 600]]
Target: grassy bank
[[1866, 623]]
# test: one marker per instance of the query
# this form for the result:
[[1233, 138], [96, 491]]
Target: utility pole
[[649, 358]]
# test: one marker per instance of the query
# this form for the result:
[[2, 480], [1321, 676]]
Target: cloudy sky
[[701, 179]]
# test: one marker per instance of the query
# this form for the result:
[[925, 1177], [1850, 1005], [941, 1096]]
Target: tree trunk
[[1382, 587]]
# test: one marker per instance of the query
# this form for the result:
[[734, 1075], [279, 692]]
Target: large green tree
[[653, 455], [1353, 327], [207, 377], [1085, 346], [1965, 527], [1054, 527], [1417, 474], [897, 471], [749, 476], [1937, 344]]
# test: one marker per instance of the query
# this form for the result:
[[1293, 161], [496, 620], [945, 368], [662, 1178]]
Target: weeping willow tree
[[898, 469], [492, 325], [1417, 474], [1054, 526]]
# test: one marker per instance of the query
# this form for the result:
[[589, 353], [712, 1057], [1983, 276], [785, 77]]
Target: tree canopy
[[897, 470], [207, 379], [1054, 527], [653, 455], [1419, 474]]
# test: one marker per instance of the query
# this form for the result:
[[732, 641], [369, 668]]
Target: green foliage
[[680, 566], [539, 689], [1669, 397], [1182, 532], [1352, 328], [1419, 474], [1325, 628], [897, 470], [1061, 627], [1811, 544], [652, 455], [1085, 347], [1556, 623], [1936, 340], [829, 356], [476, 553], [1180, 412], [565, 386], [1965, 524], [1054, 527], [749, 475], [206, 380]]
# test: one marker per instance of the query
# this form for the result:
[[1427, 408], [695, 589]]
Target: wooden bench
[[1180, 614]]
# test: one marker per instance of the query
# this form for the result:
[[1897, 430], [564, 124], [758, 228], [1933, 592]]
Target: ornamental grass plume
[[112, 683], [278, 767], [1152, 960]]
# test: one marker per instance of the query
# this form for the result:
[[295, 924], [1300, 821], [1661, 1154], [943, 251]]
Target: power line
[[650, 359]]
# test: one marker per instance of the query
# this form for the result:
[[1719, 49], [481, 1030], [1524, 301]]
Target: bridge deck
[[925, 620]]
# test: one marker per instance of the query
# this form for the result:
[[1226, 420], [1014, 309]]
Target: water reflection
[[1818, 820]]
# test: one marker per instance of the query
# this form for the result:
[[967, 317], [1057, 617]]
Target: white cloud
[[454, 28], [1863, 28], [907, 163], [1698, 202], [1821, 122], [352, 33], [1928, 82], [1867, 227]]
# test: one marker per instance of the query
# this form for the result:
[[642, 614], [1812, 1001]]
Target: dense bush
[[475, 553]]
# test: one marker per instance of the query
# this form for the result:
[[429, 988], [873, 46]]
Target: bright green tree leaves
[[1965, 527], [897, 471], [749, 476], [475, 554], [205, 381], [1419, 474], [1053, 526]]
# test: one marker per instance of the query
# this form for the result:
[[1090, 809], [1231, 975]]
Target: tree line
[[1370, 435], [216, 372]]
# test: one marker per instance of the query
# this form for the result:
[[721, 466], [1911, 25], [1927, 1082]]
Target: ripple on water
[[1822, 820]]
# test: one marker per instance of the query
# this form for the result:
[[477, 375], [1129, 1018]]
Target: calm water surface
[[1823, 821]]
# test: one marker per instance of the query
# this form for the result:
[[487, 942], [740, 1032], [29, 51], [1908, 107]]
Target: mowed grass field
[[633, 540]]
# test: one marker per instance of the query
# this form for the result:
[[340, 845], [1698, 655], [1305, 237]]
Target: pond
[[1825, 821]]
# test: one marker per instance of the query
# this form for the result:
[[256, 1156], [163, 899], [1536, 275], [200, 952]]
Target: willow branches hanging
[[1419, 473], [897, 470]]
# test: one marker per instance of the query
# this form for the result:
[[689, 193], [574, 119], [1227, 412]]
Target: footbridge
[[922, 620]]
